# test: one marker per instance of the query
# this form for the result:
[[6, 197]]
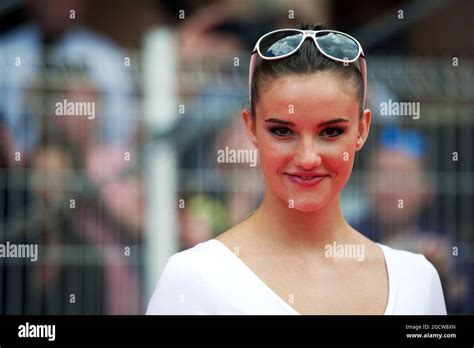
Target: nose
[[307, 156]]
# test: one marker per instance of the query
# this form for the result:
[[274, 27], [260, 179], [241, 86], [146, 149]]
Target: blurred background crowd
[[103, 196]]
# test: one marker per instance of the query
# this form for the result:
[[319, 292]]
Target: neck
[[277, 223]]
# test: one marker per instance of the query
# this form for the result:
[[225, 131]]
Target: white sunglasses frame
[[312, 34]]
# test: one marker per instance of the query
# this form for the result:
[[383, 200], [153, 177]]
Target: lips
[[306, 179]]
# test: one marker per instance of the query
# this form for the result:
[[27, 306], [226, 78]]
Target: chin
[[308, 206], [305, 203]]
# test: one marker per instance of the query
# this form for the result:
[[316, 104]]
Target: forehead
[[321, 95]]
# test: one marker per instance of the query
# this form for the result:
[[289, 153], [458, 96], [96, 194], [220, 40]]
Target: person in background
[[47, 60], [41, 54], [67, 277], [398, 178]]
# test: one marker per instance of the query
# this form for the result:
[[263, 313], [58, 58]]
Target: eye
[[332, 132], [281, 131]]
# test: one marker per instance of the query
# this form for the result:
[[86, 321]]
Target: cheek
[[274, 154], [339, 157]]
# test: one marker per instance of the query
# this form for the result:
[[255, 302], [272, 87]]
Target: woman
[[296, 254]]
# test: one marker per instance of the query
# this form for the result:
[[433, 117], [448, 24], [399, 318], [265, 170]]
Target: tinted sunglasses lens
[[338, 45], [280, 43]]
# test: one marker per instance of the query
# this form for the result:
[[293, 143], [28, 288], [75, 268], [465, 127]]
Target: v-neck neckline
[[287, 306]]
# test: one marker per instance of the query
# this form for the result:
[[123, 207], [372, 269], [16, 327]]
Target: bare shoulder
[[242, 238], [236, 236], [372, 251]]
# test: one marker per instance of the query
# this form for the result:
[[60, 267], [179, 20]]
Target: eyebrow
[[321, 124]]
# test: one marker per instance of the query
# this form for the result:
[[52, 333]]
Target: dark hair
[[306, 60]]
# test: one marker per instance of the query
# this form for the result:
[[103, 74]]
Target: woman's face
[[306, 133]]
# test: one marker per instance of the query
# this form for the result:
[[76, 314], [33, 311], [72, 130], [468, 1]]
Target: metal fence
[[174, 162]]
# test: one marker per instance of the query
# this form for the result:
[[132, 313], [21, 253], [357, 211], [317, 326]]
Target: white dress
[[210, 279]]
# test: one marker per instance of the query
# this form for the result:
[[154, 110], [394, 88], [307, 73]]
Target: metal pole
[[160, 112]]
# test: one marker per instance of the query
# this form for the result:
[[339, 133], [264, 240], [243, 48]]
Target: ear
[[250, 127], [364, 127]]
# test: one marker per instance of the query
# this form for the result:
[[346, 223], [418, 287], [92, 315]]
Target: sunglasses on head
[[334, 45]]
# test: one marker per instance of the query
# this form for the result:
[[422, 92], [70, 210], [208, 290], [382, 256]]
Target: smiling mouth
[[306, 180]]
